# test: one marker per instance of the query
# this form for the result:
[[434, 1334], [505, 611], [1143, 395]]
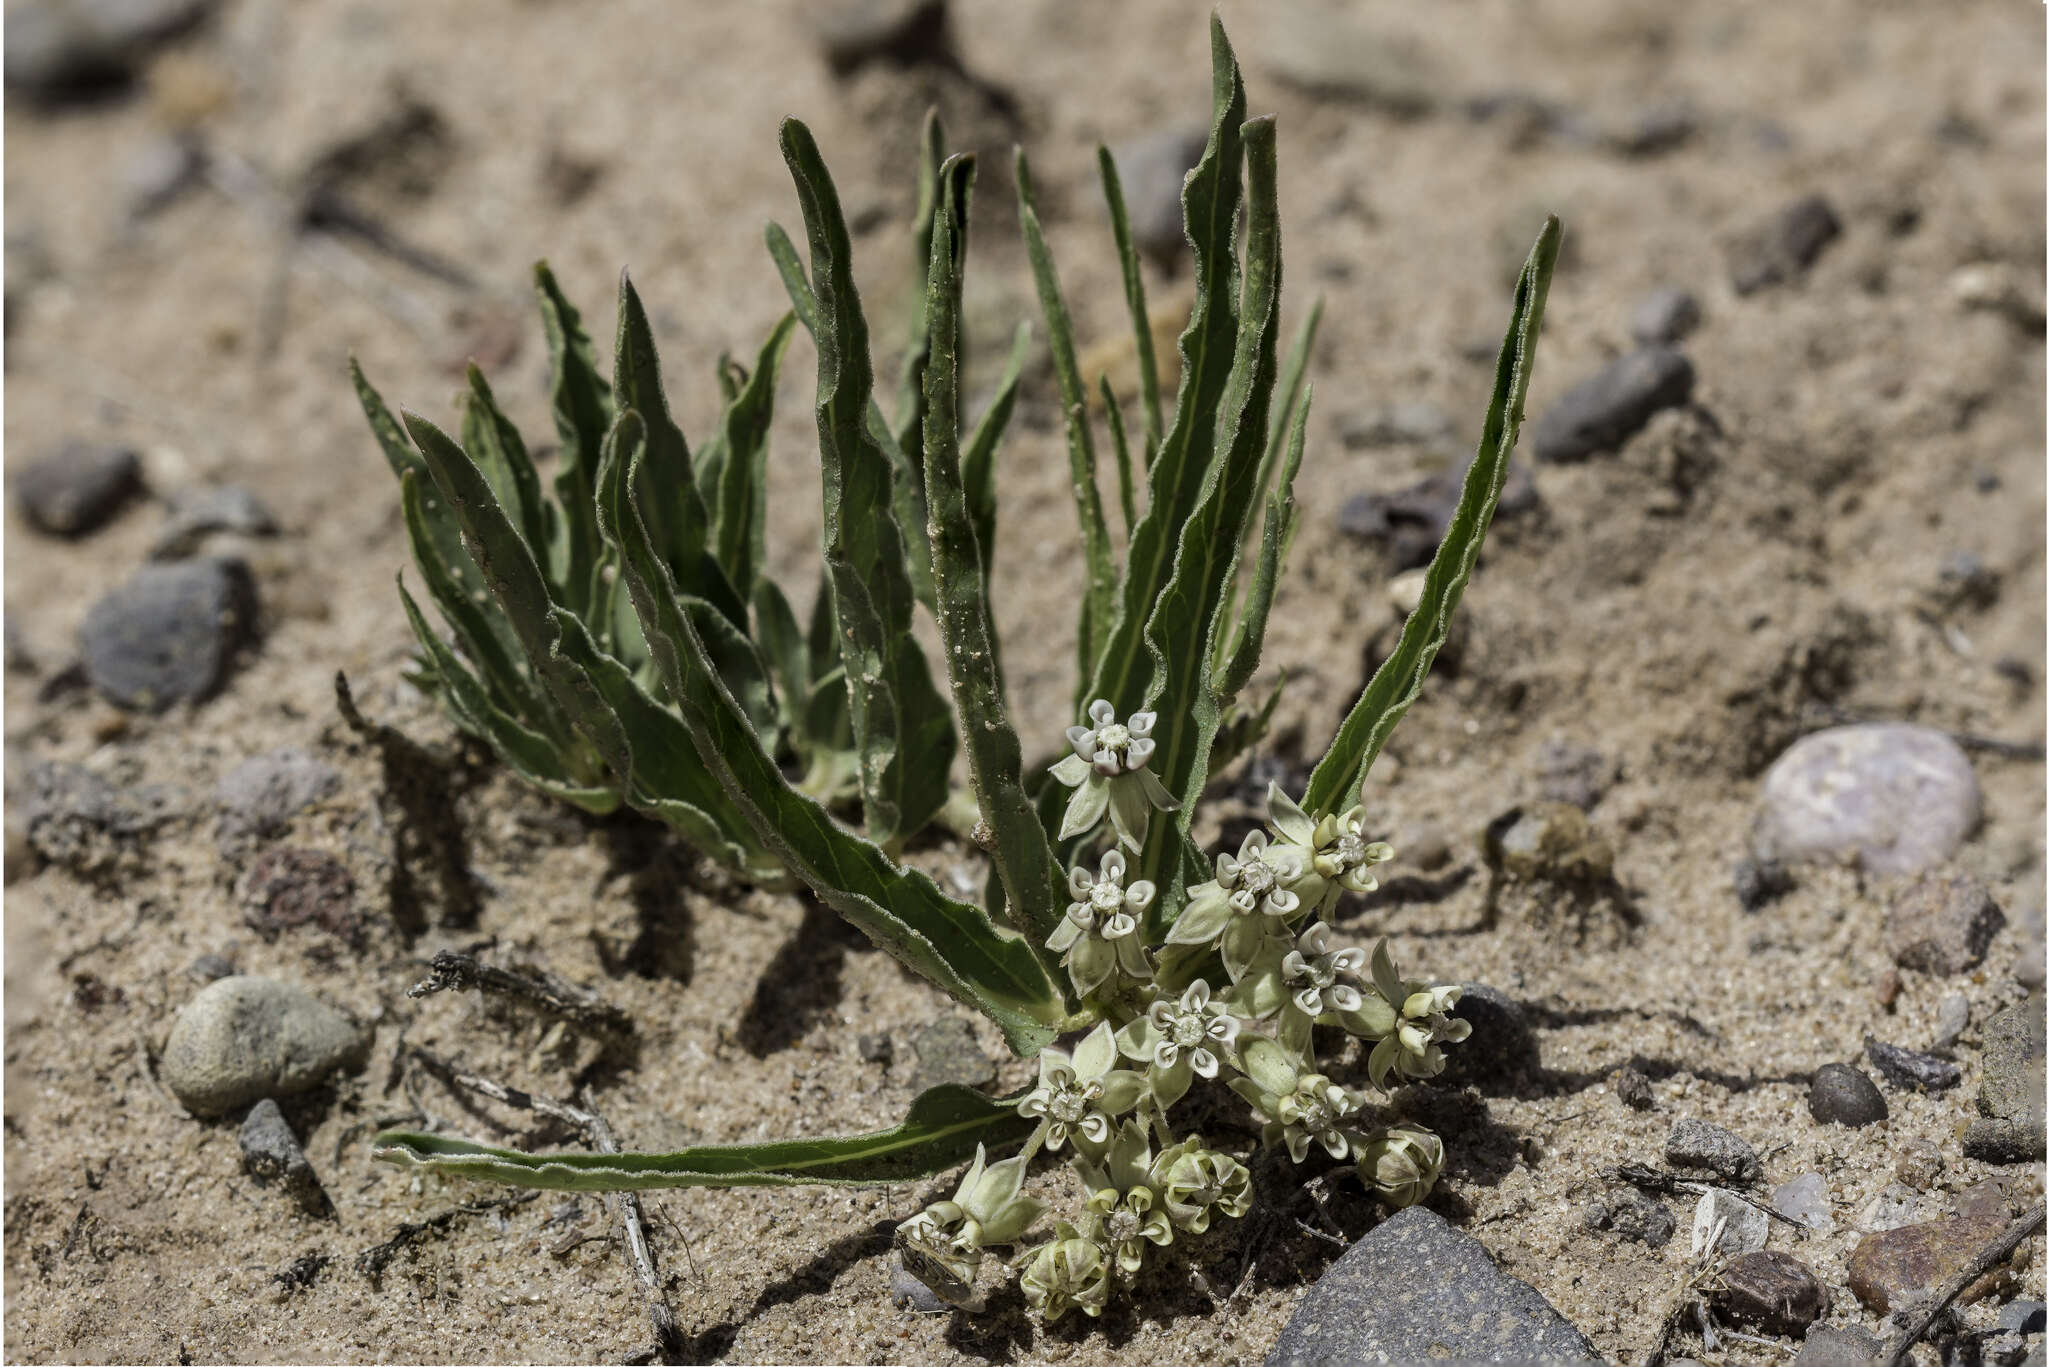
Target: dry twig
[[1988, 1257]]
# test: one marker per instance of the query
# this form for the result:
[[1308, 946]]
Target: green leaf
[[496, 446], [1099, 591], [1177, 476], [944, 1127], [931, 154], [485, 634], [582, 407], [978, 461], [742, 504], [901, 724], [1339, 778], [951, 944], [1122, 447], [1023, 857], [790, 267], [437, 519], [1274, 541], [674, 506], [1134, 300], [781, 642], [1293, 379]]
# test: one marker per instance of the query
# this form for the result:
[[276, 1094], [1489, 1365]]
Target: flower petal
[[1084, 811]]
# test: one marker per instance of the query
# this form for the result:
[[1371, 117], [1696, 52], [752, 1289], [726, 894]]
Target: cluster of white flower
[[1233, 991]]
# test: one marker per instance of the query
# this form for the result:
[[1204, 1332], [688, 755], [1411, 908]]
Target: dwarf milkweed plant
[[620, 643]]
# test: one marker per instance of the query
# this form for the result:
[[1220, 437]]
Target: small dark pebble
[[271, 1153], [292, 886], [1694, 1143], [76, 489], [855, 32], [210, 968], [20, 659], [1843, 1095], [1633, 1086], [1653, 129], [1635, 1216], [1773, 1291], [1760, 882], [1780, 248], [1410, 522], [876, 1049], [169, 634], [1602, 412], [1664, 317], [1150, 170], [1909, 1069], [2024, 1317], [1839, 1345], [1942, 923]]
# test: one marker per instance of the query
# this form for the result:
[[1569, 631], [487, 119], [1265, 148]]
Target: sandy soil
[[1869, 426]]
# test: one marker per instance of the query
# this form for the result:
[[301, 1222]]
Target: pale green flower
[[1411, 1020], [1401, 1163], [1099, 932], [1078, 1095], [1320, 979], [1337, 856], [1195, 1182], [1181, 1040], [1123, 1213], [942, 1244], [1299, 1106], [1070, 1273], [1247, 902], [1107, 773]]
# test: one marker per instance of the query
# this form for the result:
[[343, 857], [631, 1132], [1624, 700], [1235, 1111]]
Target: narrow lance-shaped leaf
[[1134, 300], [1193, 610], [583, 409], [681, 520], [1099, 591], [978, 461], [1288, 396], [437, 522], [490, 437], [1209, 201], [901, 724], [1023, 857], [942, 1131], [1120, 444], [1339, 777], [931, 154], [951, 944], [1278, 535], [742, 543]]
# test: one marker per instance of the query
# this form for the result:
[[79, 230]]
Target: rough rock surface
[[1893, 798], [243, 1038]]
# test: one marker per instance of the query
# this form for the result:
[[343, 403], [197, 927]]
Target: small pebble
[[210, 968], [1779, 249], [1634, 1088], [1549, 842], [244, 1038], [77, 489], [1577, 774], [2031, 967], [259, 796], [1410, 522], [1896, 1206], [1602, 412], [1771, 1291], [1760, 882], [1839, 1345], [876, 1048], [1664, 317], [1805, 1200], [201, 512], [1151, 169], [1415, 422], [1891, 797], [1920, 1164], [1635, 1216], [856, 32], [271, 1152], [1950, 1020], [1942, 923], [1748, 1227], [55, 51], [1843, 1095], [1694, 1143], [292, 886], [1910, 1070], [906, 1292], [2014, 1094], [2023, 1317], [1891, 1267], [169, 634]]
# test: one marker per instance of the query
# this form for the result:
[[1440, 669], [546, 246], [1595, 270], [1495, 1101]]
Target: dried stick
[[1988, 1257], [462, 973], [668, 1338]]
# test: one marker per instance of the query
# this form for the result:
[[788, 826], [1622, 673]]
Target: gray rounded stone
[[1890, 797], [259, 796], [1151, 169], [1415, 1289], [1602, 412], [77, 488], [169, 634], [244, 1038], [1664, 316], [1842, 1095]]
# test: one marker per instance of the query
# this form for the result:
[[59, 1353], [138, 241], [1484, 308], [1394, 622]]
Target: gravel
[[2014, 1094], [1770, 1291], [1910, 1070], [1664, 316], [1779, 249], [1942, 923], [1844, 1095], [1694, 1143], [271, 1153]]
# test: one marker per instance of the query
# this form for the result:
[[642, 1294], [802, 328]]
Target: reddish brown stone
[[1892, 1267], [294, 886], [1773, 1291]]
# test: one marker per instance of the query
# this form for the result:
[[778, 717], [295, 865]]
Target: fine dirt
[[1732, 578]]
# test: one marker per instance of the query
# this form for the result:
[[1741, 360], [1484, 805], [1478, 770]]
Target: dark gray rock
[[1415, 1289], [1601, 413], [1760, 882], [1635, 1216], [853, 33], [169, 634], [1780, 248], [948, 1052], [57, 48], [1770, 1291], [2023, 1317], [1634, 1088], [244, 1038], [1909, 1069], [20, 658], [2014, 1093], [1839, 1345], [1151, 169], [1408, 523], [1891, 797], [1652, 129], [1664, 316], [876, 1048], [1842, 1095], [1577, 774], [202, 512], [1942, 923], [271, 1153], [79, 488], [209, 968], [1694, 1143], [79, 821], [259, 796], [906, 1292]]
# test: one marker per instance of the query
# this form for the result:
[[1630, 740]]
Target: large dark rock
[[1601, 413], [1415, 1289], [76, 489], [1893, 1266], [2014, 1094], [169, 634]]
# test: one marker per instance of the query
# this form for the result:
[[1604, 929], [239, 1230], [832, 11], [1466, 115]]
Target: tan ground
[[1859, 410]]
